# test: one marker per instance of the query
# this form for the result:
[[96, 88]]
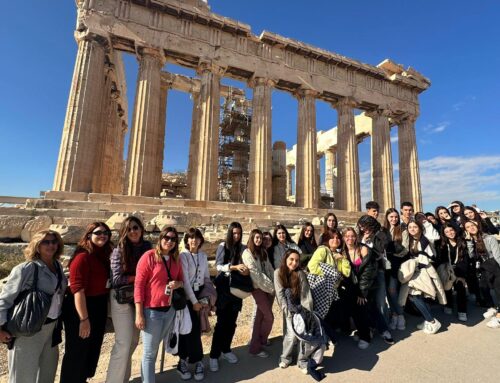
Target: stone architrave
[[330, 165], [306, 180], [205, 168], [82, 125], [193, 141], [260, 165], [145, 154], [409, 173], [348, 189], [381, 153]]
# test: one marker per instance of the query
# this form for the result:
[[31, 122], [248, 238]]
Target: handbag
[[447, 274], [125, 294], [241, 286], [30, 310], [178, 298]]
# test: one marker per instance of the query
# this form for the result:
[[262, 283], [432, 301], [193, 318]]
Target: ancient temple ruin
[[227, 161]]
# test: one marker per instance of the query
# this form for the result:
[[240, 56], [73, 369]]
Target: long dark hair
[[232, 248], [85, 242], [477, 218], [290, 279], [445, 241], [438, 209], [287, 234], [302, 236], [479, 245], [325, 224], [258, 252], [397, 233], [368, 222], [124, 244], [424, 242]]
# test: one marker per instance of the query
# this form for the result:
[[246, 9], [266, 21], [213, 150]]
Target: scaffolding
[[234, 147]]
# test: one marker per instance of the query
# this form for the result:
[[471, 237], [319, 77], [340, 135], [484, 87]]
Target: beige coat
[[261, 273], [424, 281]]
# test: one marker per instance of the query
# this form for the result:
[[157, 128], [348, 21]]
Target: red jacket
[[151, 278], [89, 272]]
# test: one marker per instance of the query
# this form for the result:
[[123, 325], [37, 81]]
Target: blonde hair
[[32, 251]]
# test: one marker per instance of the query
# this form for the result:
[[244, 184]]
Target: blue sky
[[454, 43]]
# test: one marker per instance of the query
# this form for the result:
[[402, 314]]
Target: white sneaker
[[283, 365], [401, 322], [448, 311], [494, 323], [432, 328], [214, 365], [363, 344], [490, 313], [182, 370], [355, 336], [422, 325], [394, 322], [462, 317], [262, 354], [199, 371], [230, 357]]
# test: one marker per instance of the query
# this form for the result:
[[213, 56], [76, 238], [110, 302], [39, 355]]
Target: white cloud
[[394, 139]]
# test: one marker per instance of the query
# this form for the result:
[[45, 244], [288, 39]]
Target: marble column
[[82, 125], [193, 139], [381, 161], [409, 174], [145, 155], [279, 173], [289, 183], [348, 189], [260, 165], [306, 180], [205, 168], [330, 165]]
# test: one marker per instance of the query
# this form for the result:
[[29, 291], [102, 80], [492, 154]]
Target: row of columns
[[77, 164]]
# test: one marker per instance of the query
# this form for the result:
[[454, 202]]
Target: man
[[372, 209], [406, 214]]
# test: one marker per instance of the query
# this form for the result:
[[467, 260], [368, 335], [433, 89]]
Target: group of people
[[384, 270]]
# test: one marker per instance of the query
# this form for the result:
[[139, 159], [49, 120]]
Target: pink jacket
[[151, 279], [209, 292]]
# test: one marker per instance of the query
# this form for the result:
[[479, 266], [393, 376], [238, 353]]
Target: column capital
[[345, 102], [304, 92], [210, 66], [150, 52], [379, 112], [255, 81], [290, 166], [405, 119], [100, 40]]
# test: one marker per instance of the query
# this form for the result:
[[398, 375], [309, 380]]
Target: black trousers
[[490, 279], [82, 355], [224, 329], [190, 344], [461, 297]]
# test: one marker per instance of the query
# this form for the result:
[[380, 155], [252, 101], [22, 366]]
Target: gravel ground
[[242, 337]]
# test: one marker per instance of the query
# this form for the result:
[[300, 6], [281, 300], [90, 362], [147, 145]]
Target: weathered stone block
[[42, 222], [316, 221], [115, 221], [69, 234], [12, 226]]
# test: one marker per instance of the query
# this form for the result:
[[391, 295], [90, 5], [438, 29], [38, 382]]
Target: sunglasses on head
[[49, 242], [101, 232], [134, 228]]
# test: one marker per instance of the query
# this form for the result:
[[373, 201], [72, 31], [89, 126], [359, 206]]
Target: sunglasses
[[134, 228], [49, 242], [100, 232], [168, 238]]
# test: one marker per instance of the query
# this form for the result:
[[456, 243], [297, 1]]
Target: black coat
[[365, 276]]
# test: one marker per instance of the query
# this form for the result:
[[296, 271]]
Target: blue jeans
[[421, 306], [381, 295], [393, 296], [158, 324]]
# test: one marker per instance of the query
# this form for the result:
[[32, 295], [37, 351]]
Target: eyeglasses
[[49, 242], [168, 238], [134, 228], [101, 232]]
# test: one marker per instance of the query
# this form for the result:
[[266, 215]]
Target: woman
[[485, 252], [85, 308], [453, 250], [330, 223], [124, 259], [417, 245], [227, 260], [267, 242], [261, 273], [396, 255], [444, 218], [290, 280], [158, 274], [307, 243], [457, 212], [485, 224], [196, 277], [281, 243], [34, 358]]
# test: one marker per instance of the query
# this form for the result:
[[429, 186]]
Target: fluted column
[[306, 180], [279, 173], [330, 165], [260, 165], [289, 183], [193, 139], [205, 167], [145, 156], [409, 174], [82, 125], [381, 161], [348, 190]]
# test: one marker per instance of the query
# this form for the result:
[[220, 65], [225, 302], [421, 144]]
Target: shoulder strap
[[168, 270]]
